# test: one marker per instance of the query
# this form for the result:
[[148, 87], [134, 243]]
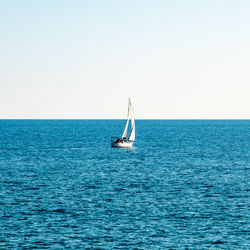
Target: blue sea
[[184, 185]]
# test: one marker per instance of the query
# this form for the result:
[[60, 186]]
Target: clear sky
[[83, 59]]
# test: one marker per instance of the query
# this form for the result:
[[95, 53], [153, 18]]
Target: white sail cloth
[[131, 118]]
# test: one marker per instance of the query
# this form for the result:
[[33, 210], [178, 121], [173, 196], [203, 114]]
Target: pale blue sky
[[83, 59]]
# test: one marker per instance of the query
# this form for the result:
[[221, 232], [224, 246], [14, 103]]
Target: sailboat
[[124, 141]]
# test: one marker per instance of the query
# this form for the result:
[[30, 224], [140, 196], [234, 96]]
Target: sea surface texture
[[183, 185]]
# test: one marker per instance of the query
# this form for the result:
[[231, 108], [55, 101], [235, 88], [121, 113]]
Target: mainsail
[[132, 133], [130, 117]]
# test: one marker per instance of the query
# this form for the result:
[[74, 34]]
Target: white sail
[[124, 135], [132, 133]]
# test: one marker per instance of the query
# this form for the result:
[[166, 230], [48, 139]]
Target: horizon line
[[124, 119]]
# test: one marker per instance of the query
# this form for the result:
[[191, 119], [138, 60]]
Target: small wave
[[218, 242], [60, 210]]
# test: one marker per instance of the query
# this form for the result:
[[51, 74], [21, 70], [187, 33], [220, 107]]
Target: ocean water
[[183, 186]]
